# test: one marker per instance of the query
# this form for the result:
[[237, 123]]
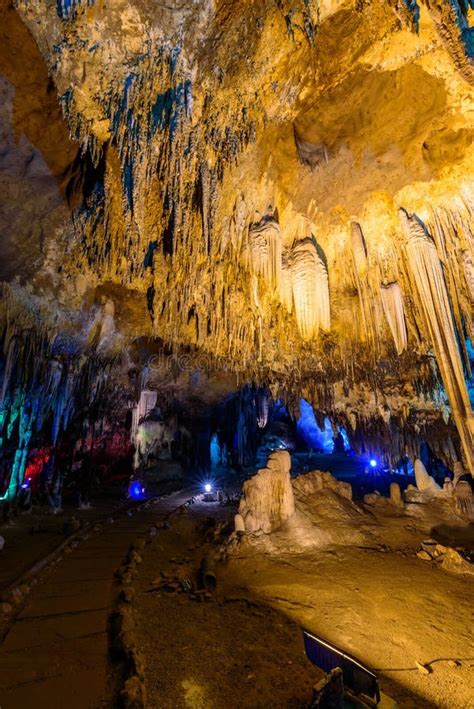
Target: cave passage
[[236, 353]]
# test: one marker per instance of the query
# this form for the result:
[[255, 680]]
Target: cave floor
[[55, 654], [243, 647], [31, 536], [240, 646], [388, 610], [227, 650]]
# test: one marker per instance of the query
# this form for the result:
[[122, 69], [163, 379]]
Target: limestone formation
[[396, 495], [424, 482], [309, 280], [265, 251], [464, 500], [435, 305], [359, 250], [392, 300], [313, 482], [239, 523], [262, 406], [150, 438], [268, 496]]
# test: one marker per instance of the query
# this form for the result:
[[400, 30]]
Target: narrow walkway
[[56, 653]]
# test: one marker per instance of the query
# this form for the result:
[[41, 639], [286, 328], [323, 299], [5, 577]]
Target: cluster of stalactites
[[297, 277], [389, 294], [450, 18], [436, 270], [436, 307], [388, 435], [44, 379], [265, 251]]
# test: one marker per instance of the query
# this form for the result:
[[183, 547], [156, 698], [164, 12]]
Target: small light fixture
[[373, 463], [208, 487]]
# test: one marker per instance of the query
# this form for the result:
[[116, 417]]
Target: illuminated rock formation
[[269, 193], [309, 281], [436, 308], [268, 496], [392, 300], [265, 251], [424, 482]]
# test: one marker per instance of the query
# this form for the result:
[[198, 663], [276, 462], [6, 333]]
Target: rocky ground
[[241, 645], [389, 610]]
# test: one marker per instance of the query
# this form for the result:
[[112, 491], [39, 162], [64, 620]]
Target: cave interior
[[237, 277]]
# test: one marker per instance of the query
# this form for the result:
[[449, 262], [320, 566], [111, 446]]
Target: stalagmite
[[268, 497], [310, 289], [464, 500], [262, 408], [428, 281], [396, 495], [392, 301], [424, 482]]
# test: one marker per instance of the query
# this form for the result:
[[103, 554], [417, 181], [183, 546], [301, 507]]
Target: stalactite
[[429, 283], [359, 250], [310, 289], [452, 233], [468, 266], [286, 291], [265, 251], [368, 330], [392, 301], [262, 405]]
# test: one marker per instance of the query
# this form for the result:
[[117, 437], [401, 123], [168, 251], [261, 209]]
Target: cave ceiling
[[279, 192]]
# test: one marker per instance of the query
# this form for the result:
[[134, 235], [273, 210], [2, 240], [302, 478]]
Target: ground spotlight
[[373, 463], [136, 490]]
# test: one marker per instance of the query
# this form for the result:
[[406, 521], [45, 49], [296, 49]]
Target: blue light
[[136, 490], [373, 463], [208, 487], [310, 432]]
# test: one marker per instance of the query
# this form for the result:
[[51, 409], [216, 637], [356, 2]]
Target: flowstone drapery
[[309, 280]]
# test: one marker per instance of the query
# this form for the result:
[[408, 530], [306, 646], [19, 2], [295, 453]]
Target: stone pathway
[[56, 652]]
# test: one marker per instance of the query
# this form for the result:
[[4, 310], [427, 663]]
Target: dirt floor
[[388, 610], [242, 647], [30, 536], [224, 650]]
